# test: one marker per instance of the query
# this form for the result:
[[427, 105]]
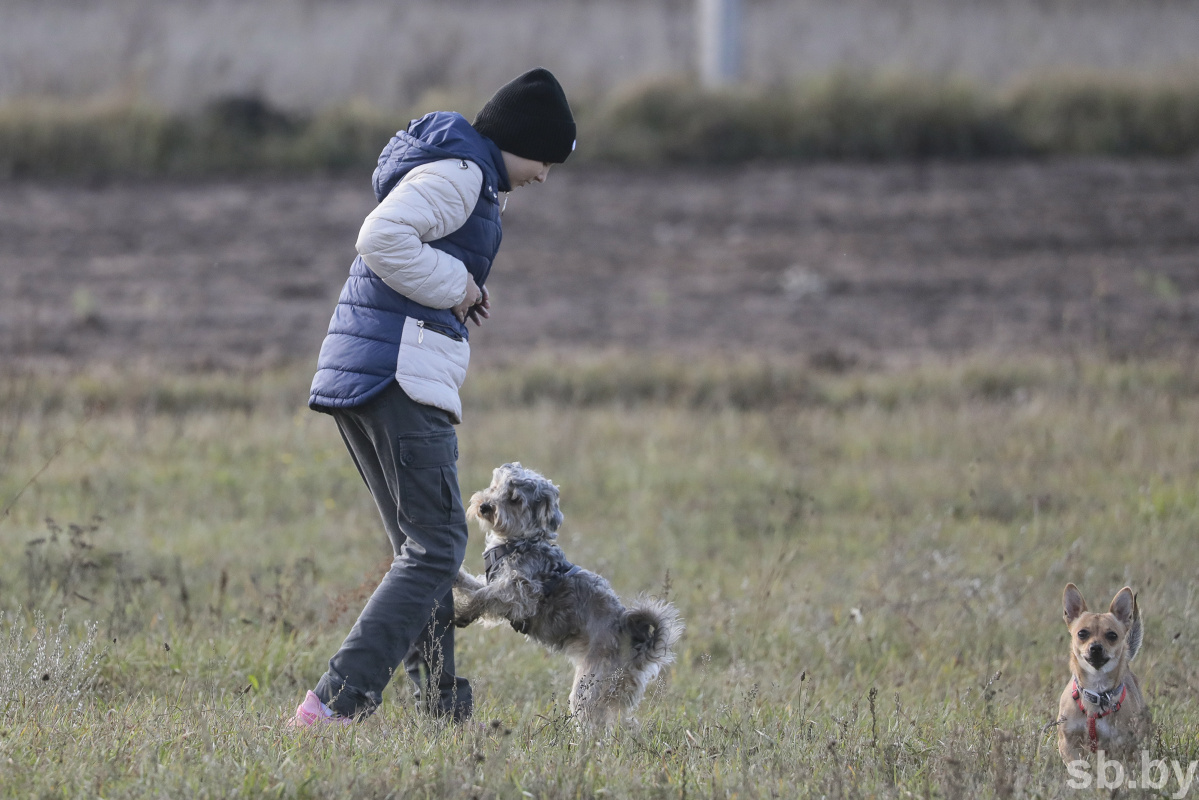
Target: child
[[391, 366]]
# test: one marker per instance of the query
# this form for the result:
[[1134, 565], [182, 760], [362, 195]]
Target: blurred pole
[[719, 42]]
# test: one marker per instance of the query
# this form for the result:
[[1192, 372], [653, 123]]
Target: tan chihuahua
[[1102, 707]]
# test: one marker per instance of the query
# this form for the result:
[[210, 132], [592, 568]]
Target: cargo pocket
[[428, 475]]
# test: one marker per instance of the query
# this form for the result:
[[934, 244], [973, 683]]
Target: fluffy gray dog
[[529, 583]]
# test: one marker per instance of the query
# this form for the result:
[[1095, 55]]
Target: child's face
[[523, 171]]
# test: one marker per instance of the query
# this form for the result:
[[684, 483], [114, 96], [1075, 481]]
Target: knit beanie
[[529, 117]]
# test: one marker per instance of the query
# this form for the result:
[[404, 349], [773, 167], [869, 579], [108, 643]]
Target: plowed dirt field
[[841, 264]]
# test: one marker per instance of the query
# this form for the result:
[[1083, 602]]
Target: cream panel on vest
[[431, 367]]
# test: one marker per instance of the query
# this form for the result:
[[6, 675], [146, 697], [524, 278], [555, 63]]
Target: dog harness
[[493, 557], [1107, 702]]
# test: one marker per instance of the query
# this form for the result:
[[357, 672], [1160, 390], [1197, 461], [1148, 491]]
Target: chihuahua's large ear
[[1073, 603], [1123, 607]]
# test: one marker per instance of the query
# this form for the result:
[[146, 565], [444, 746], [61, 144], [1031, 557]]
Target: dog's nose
[[1096, 649], [486, 508]]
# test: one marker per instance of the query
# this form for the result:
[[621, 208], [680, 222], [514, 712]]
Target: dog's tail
[[654, 626]]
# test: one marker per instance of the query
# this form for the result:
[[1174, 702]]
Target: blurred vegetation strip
[[842, 116], [718, 383], [1123, 116], [229, 136], [858, 117], [621, 380]]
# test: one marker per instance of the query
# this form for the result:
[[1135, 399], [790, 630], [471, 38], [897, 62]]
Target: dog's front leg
[[466, 587], [468, 583], [513, 599]]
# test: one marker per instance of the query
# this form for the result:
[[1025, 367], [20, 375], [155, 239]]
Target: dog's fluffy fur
[[616, 650], [1102, 647]]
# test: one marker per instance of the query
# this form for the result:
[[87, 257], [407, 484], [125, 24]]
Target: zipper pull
[[420, 337]]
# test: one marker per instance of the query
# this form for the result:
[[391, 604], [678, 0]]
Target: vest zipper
[[444, 330]]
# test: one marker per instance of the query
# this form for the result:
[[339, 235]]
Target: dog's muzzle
[[1096, 657]]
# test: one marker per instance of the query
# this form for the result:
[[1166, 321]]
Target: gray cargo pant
[[407, 453]]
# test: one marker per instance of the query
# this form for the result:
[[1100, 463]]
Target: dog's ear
[[1072, 603], [545, 507], [1123, 607]]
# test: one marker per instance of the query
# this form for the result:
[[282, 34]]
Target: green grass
[[870, 565], [840, 116]]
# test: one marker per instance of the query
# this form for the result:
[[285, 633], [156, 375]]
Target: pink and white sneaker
[[313, 712]]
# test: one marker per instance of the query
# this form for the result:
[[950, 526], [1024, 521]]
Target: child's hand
[[473, 296], [480, 310]]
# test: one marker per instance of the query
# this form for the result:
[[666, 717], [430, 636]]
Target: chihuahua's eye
[[1111, 636], [1084, 633]]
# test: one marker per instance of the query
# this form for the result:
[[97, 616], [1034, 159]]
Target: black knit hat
[[529, 117]]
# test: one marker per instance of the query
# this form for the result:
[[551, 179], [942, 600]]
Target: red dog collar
[[1104, 701]]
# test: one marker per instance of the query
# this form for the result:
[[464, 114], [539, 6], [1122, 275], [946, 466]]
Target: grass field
[[870, 565]]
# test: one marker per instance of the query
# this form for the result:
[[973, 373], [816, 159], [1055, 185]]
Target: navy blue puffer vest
[[358, 357]]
